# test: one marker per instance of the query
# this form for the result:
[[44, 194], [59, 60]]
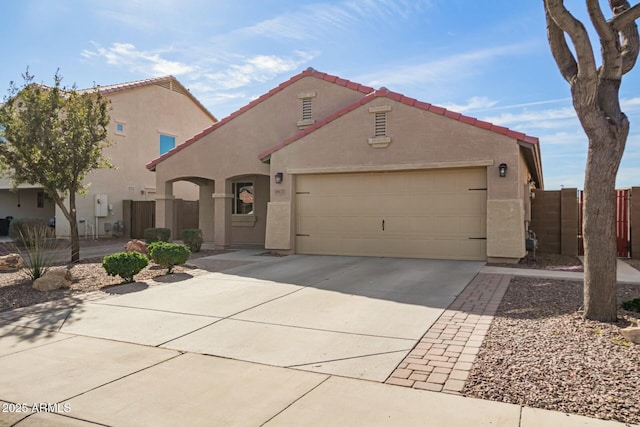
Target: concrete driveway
[[350, 316], [326, 323]]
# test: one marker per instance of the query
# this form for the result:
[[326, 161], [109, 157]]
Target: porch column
[[206, 208], [223, 198], [164, 208]]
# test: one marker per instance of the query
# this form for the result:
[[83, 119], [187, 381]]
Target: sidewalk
[[626, 273]]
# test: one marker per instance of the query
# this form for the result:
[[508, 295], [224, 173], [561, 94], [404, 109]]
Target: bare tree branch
[[560, 50], [623, 18], [584, 86], [611, 60], [629, 43]]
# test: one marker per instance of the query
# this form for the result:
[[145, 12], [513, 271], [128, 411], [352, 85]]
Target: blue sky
[[487, 59]]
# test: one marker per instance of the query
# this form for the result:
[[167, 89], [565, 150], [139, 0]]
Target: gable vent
[[168, 84], [380, 124], [306, 109]]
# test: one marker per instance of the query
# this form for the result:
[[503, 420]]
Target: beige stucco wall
[[231, 150], [419, 140], [145, 112]]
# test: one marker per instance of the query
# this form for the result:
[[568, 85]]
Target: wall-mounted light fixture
[[278, 177], [502, 170]]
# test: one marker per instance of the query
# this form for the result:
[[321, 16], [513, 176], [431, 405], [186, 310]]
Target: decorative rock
[[11, 262], [54, 278], [631, 334], [137, 246]]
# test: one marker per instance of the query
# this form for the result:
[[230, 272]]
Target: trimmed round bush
[[124, 264], [192, 237], [168, 255], [157, 235]]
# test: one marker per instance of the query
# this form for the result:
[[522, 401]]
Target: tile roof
[[306, 73], [119, 87], [384, 92]]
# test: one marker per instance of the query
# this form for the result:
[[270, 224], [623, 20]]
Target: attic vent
[[380, 138], [307, 111], [380, 125], [169, 85]]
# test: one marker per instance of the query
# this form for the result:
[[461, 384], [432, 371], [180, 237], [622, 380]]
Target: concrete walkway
[[275, 341], [626, 273]]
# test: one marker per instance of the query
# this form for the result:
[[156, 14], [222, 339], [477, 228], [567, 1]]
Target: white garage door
[[417, 214]]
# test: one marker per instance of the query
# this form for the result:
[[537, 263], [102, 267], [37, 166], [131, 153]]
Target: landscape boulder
[[137, 246], [631, 334], [11, 262], [54, 278]]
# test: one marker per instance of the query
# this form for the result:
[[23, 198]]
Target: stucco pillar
[[164, 208], [206, 208], [223, 198]]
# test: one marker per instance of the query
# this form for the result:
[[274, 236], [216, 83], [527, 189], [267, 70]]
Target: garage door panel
[[426, 214]]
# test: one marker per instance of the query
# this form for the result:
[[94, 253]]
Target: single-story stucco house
[[335, 167]]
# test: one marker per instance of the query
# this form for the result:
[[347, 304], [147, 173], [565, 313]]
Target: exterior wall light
[[502, 170], [278, 177]]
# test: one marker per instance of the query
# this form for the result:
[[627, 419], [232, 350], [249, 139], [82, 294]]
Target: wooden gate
[[143, 216], [623, 245]]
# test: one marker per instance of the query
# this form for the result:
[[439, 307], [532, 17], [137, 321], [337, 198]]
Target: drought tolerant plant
[[124, 264], [168, 254], [192, 237], [632, 305], [38, 249], [157, 235], [19, 226]]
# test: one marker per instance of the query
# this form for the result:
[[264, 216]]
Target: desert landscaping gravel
[[539, 352], [16, 287]]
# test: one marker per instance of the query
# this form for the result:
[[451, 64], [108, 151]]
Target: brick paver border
[[442, 359]]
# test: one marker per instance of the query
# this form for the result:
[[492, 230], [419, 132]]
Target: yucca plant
[[38, 250]]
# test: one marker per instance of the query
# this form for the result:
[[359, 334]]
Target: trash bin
[[4, 227]]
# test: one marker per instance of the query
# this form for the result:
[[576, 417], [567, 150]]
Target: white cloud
[[321, 19], [536, 117], [473, 104], [442, 70], [127, 55], [255, 69]]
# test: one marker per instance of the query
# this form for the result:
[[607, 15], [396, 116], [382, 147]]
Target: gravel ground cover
[[539, 352], [16, 287]]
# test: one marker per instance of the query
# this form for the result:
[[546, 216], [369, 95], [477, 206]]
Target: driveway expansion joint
[[443, 358]]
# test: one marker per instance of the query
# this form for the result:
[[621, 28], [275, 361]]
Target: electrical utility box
[[102, 205]]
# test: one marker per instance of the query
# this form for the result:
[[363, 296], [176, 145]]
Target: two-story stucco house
[[148, 118], [335, 167]]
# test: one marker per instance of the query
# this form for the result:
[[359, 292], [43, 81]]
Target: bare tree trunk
[[599, 236], [75, 238]]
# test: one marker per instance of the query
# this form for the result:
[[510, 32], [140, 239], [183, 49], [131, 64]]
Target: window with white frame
[[167, 142]]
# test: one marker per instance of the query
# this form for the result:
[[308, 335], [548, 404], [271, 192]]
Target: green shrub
[[192, 237], [124, 264], [632, 305], [168, 254], [157, 235], [19, 226]]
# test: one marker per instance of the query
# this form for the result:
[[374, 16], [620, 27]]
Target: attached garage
[[437, 213]]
